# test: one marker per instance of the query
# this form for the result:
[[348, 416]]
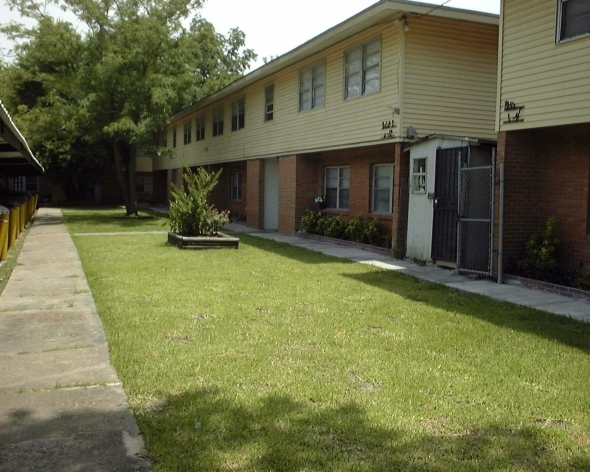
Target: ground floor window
[[382, 188], [236, 186], [419, 175], [25, 184], [337, 185], [144, 184]]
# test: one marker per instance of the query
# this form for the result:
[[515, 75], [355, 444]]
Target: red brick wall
[[255, 193], [547, 174], [221, 195], [160, 186], [297, 190]]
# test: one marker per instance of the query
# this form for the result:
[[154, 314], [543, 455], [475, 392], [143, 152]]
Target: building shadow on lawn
[[99, 216], [207, 430], [559, 328], [297, 253]]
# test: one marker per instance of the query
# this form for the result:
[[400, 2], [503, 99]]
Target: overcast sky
[[274, 27]]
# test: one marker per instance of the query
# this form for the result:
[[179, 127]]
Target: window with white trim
[[174, 137], [362, 69], [312, 83], [218, 121], [187, 132], [269, 101], [573, 19], [200, 129], [382, 194], [144, 184], [236, 186], [337, 185], [25, 184], [418, 182], [237, 114]]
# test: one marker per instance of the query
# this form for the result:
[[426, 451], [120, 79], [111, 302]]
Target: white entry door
[[271, 193]]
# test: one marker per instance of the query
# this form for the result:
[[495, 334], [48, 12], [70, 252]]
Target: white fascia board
[[377, 13]]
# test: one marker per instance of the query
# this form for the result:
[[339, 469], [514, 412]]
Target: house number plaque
[[388, 126], [513, 107]]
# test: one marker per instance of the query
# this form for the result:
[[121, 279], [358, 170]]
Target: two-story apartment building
[[543, 122], [332, 118]]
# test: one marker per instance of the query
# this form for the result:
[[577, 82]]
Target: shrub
[[334, 227], [539, 261], [375, 232], [310, 221], [355, 231], [582, 279], [190, 214]]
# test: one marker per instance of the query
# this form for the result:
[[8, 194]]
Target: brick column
[[399, 225], [255, 193]]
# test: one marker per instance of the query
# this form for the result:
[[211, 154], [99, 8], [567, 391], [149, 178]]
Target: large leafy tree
[[105, 87]]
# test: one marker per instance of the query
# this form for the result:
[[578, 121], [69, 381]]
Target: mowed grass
[[274, 358]]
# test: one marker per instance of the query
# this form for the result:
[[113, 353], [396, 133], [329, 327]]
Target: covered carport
[[17, 163]]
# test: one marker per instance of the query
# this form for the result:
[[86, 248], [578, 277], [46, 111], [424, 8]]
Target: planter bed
[[342, 242], [220, 241], [548, 287]]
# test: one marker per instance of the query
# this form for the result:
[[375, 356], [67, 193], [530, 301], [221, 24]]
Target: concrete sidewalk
[[550, 302], [62, 407]]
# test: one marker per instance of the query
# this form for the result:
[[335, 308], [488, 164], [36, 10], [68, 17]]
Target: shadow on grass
[[111, 216], [205, 430], [565, 330]]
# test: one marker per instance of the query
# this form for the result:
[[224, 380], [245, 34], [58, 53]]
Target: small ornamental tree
[[190, 212]]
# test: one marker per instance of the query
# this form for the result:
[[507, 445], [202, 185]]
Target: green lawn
[[274, 358]]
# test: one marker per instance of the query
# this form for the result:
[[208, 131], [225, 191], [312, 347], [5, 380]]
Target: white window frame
[[312, 87], [236, 187], [187, 132], [269, 102], [144, 184], [238, 113], [200, 128], [363, 67], [560, 21], [419, 174], [340, 185], [377, 185], [174, 137], [217, 114]]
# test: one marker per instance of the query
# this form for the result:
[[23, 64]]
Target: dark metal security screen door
[[476, 208], [446, 203]]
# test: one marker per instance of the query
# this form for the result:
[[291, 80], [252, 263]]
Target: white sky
[[274, 27]]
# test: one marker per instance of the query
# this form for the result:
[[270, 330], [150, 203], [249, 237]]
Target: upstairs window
[[218, 121], [200, 130], [174, 137], [237, 114], [573, 19], [311, 87], [337, 187], [362, 69], [187, 132], [269, 102]]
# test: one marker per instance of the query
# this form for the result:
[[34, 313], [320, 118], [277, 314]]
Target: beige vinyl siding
[[450, 77], [143, 164], [338, 124], [552, 81]]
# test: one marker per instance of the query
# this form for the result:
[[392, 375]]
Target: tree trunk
[[121, 174], [131, 172]]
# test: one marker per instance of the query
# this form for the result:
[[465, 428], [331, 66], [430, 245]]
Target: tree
[[120, 80]]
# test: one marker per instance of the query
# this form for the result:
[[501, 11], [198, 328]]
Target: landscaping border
[[548, 287], [343, 242]]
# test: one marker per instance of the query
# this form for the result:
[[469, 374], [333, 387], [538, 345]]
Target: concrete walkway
[[550, 302], [62, 407]]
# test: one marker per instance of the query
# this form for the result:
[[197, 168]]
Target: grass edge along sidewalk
[[273, 357]]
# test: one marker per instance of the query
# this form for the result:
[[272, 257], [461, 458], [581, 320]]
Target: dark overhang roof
[[16, 158]]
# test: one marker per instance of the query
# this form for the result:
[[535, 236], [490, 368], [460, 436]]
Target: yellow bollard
[[4, 236], [13, 226], [22, 217], [29, 208]]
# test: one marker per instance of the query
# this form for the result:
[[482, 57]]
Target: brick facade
[[221, 194], [255, 193], [547, 175]]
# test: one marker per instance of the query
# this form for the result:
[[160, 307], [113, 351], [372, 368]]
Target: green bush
[[334, 227], [582, 279], [539, 261], [375, 232], [355, 231], [190, 214], [310, 222]]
